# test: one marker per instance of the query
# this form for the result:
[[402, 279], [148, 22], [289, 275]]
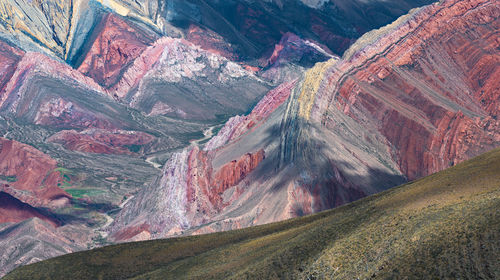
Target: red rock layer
[[206, 185], [233, 172], [130, 232], [115, 47], [140, 67], [9, 58], [36, 182], [13, 210], [55, 111], [433, 94], [210, 41], [102, 141]]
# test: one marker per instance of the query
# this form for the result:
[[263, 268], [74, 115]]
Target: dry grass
[[445, 226]]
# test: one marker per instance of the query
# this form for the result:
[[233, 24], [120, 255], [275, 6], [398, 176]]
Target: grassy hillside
[[446, 225]]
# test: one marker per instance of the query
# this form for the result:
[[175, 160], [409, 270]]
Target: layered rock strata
[[405, 101]]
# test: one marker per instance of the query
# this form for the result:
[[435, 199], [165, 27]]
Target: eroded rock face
[[159, 79], [117, 44], [9, 58], [34, 240], [403, 102], [239, 125], [34, 93], [193, 188], [49, 22], [291, 56], [187, 202], [34, 179], [211, 41], [207, 183]]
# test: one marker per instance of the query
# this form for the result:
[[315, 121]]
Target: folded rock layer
[[405, 101]]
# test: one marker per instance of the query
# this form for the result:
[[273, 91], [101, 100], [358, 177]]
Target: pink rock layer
[[405, 101], [35, 64], [102, 141], [54, 111], [192, 190], [9, 58], [115, 47], [140, 67], [36, 181]]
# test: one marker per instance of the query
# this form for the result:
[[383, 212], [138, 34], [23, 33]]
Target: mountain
[[129, 120], [403, 102], [238, 28], [442, 226]]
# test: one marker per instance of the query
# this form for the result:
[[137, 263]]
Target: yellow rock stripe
[[312, 81]]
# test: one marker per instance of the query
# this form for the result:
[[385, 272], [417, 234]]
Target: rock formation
[[403, 102], [254, 27], [157, 82], [116, 45], [34, 240]]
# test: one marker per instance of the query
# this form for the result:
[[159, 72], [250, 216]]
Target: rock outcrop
[[291, 56], [34, 240], [9, 58], [48, 22], [158, 80], [193, 187], [185, 202], [116, 45], [424, 93]]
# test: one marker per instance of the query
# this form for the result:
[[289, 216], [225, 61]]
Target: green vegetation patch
[[10, 179], [79, 193], [134, 148], [65, 175]]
